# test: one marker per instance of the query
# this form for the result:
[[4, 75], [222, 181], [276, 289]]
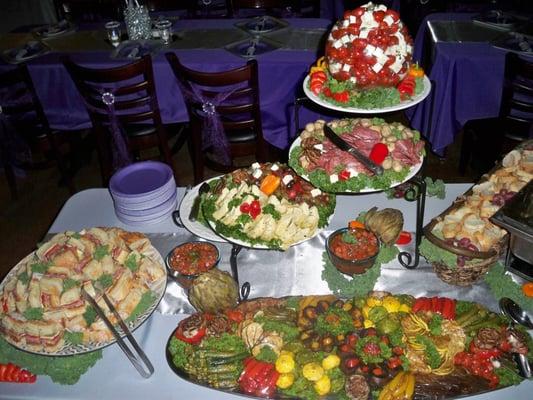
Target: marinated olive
[[315, 345], [340, 338], [328, 348], [310, 312], [347, 306], [304, 323], [327, 340], [304, 336], [322, 306], [338, 303]]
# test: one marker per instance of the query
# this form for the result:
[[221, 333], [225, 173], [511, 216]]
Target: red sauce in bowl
[[193, 258], [354, 244]]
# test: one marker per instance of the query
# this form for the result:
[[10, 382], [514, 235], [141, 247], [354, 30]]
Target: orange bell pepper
[[416, 71], [527, 288], [356, 225], [269, 184]]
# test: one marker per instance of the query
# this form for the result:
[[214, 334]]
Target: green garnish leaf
[[432, 354], [270, 209], [89, 315], [435, 254], [105, 280], [40, 267], [76, 235], [100, 252], [33, 313], [69, 283], [147, 299], [131, 262], [435, 325], [267, 355], [74, 337], [24, 277], [180, 352], [243, 219], [236, 202], [347, 237]]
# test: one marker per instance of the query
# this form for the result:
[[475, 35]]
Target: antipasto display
[[398, 149], [43, 310], [381, 345], [266, 206], [462, 238], [367, 63]]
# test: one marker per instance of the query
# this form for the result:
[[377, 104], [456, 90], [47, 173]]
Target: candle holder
[[138, 23]]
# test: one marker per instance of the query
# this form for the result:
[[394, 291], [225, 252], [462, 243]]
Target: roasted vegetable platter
[[379, 346], [266, 206]]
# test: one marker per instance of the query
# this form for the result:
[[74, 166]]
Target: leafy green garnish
[[502, 285], [147, 299], [76, 235], [267, 355], [180, 352], [62, 370], [435, 325], [24, 277], [226, 342], [432, 354], [435, 254], [370, 357], [462, 307], [243, 219], [507, 376], [89, 315], [270, 209], [335, 321], [435, 188], [74, 337], [236, 202], [100, 252], [347, 237], [131, 262], [287, 331], [293, 303], [33, 313], [69, 283], [40, 267], [105, 280]]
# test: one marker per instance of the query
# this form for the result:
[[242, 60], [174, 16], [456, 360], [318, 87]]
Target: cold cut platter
[[266, 206], [379, 346], [398, 149]]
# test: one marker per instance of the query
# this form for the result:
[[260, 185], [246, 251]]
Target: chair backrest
[[132, 86], [19, 100], [517, 96], [240, 110]]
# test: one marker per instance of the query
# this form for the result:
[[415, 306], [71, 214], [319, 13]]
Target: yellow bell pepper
[[285, 380], [373, 302], [405, 308], [331, 362], [368, 324], [312, 371], [323, 386], [391, 304], [365, 310]]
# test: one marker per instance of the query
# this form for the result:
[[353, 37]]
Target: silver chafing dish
[[517, 218]]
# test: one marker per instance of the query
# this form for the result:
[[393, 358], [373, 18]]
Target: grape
[[472, 247], [460, 261], [464, 242]]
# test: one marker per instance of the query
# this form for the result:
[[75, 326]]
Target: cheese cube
[[345, 24], [363, 34], [274, 167], [256, 165], [333, 178], [352, 79], [335, 67], [346, 67], [337, 44], [388, 20], [319, 146], [345, 39], [377, 67], [257, 173], [369, 50], [316, 192], [286, 179], [352, 19]]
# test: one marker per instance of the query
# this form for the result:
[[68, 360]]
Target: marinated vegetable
[[193, 258]]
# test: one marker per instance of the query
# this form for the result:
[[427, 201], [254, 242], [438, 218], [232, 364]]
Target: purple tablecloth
[[280, 72], [468, 77]]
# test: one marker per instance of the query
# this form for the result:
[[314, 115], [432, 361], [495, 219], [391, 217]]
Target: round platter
[[401, 106], [157, 287], [196, 227], [412, 172]]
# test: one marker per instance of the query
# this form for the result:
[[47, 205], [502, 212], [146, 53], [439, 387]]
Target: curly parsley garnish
[[270, 209]]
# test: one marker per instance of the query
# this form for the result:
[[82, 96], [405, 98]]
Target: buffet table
[[115, 377]]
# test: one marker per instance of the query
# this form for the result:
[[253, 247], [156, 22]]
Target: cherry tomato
[[255, 205], [379, 15], [245, 208], [358, 11], [351, 362]]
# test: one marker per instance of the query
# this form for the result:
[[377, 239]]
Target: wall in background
[[16, 13]]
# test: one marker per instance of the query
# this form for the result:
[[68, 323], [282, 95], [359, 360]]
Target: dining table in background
[[114, 377], [468, 79], [280, 71]]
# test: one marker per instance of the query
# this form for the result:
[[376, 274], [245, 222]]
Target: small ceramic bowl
[[347, 266], [180, 265]]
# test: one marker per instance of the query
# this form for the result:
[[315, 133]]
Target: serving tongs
[[137, 360]]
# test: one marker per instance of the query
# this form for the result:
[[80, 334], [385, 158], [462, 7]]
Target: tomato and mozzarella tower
[[370, 47]]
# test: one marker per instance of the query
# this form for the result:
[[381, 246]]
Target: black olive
[[338, 303], [310, 312], [322, 306], [327, 340]]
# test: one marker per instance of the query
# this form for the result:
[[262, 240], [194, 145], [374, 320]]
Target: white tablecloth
[[114, 377]]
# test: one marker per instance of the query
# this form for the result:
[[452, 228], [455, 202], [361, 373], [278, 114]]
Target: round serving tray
[[401, 106]]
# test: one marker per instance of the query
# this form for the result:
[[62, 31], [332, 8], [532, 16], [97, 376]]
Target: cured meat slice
[[408, 152]]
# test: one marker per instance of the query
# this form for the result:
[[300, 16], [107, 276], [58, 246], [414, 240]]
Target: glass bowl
[[182, 261], [350, 266]]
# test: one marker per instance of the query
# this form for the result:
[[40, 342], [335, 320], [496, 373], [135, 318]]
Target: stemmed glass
[[113, 32]]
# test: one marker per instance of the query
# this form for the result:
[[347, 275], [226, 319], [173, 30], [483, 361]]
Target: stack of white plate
[[143, 193]]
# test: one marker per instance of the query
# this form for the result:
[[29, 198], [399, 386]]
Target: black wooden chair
[[485, 140], [239, 112], [137, 111], [24, 128]]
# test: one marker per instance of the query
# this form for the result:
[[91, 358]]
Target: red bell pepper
[[192, 337], [404, 238], [341, 97], [258, 378], [378, 153], [13, 373], [407, 87]]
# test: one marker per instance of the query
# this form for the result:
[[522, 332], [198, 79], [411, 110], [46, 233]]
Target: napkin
[[30, 49]]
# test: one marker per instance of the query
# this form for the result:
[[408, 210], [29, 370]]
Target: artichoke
[[386, 224], [214, 291]]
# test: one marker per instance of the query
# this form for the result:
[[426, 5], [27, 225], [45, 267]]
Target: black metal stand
[[416, 191], [244, 290]]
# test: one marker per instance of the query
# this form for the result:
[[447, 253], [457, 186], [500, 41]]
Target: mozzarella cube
[[346, 67], [363, 34], [316, 192], [381, 7], [319, 147], [352, 79], [286, 179], [333, 178], [337, 44], [274, 167], [382, 59], [352, 19], [345, 39], [257, 173], [388, 20], [345, 24], [369, 50], [256, 165], [377, 67], [396, 67], [335, 67]]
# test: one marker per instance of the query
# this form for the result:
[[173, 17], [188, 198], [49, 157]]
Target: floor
[[24, 222]]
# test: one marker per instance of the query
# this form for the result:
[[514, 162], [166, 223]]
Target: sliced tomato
[[319, 76], [341, 97], [316, 88], [344, 175]]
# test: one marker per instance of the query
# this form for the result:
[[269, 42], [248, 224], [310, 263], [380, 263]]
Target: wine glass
[[113, 32]]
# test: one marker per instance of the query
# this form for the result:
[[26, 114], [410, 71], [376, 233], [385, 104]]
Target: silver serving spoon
[[518, 315]]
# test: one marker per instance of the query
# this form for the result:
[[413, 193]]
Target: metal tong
[[137, 360]]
